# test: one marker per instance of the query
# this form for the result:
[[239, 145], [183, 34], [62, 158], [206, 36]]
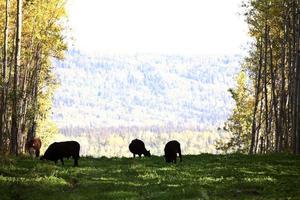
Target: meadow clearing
[[205, 176]]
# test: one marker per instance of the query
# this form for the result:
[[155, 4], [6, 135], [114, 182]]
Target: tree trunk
[[274, 100], [282, 109], [15, 103], [265, 72], [32, 131], [297, 65], [257, 91], [4, 82]]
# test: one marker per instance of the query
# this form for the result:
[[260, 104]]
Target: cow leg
[[37, 153], [75, 162], [180, 155], [175, 158], [133, 155], [140, 155], [62, 161], [31, 151]]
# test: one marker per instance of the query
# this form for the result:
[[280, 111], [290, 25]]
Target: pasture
[[205, 176]]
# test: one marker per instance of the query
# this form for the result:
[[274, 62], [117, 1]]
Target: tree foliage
[[239, 123], [274, 69], [41, 40]]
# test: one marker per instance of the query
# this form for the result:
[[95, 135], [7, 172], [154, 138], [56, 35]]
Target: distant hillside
[[144, 91], [105, 101]]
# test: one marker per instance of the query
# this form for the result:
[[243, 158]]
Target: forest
[[259, 158], [32, 34], [266, 117]]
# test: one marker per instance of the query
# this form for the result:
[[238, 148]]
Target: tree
[[239, 124], [275, 72], [35, 37], [4, 81], [15, 102]]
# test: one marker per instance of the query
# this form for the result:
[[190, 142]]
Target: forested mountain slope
[[108, 94], [144, 90]]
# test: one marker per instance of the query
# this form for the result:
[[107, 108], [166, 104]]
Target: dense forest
[[31, 34], [146, 91], [105, 101]]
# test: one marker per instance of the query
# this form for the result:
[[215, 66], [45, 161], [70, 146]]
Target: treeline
[[116, 144], [31, 34], [273, 123]]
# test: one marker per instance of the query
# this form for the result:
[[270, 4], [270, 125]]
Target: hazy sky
[[158, 26]]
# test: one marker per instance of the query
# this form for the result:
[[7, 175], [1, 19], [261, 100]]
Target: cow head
[[147, 153], [168, 158]]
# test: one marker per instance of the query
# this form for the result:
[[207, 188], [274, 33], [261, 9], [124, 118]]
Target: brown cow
[[34, 145]]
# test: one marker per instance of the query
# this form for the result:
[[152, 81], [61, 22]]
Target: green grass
[[197, 177]]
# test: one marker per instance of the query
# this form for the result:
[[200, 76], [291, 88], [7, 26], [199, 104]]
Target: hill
[[144, 90], [104, 101]]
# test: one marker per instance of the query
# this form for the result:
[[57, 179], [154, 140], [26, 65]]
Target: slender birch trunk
[[15, 103], [4, 81]]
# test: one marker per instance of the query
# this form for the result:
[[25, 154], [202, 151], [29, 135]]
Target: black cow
[[59, 150], [33, 145], [138, 147], [171, 150]]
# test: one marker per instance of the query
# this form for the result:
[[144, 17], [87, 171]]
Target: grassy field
[[197, 177]]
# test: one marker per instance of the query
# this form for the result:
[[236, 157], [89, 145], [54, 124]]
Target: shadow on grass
[[203, 176]]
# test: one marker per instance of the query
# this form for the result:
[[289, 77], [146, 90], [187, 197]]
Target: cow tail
[[179, 151]]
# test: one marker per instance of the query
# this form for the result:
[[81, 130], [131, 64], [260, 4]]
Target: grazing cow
[[138, 147], [33, 146], [59, 150], [171, 150]]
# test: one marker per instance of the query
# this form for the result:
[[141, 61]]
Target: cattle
[[138, 147], [33, 146], [171, 150], [59, 150]]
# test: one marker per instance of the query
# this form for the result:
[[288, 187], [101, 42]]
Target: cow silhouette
[[138, 147], [171, 150], [60, 150]]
